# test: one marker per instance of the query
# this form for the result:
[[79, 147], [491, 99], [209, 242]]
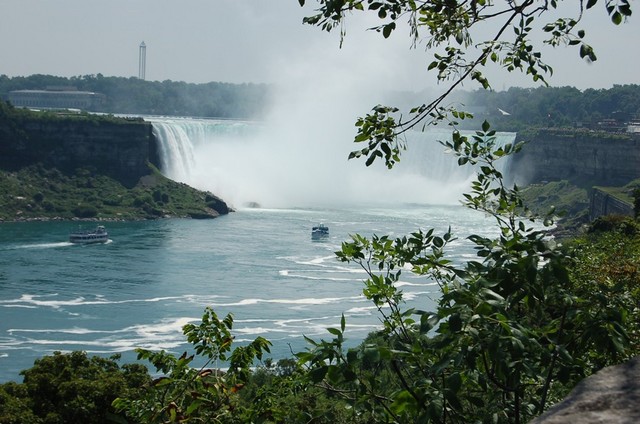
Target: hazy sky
[[253, 41]]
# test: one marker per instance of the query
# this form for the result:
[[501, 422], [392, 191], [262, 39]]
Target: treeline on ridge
[[173, 98], [509, 110], [519, 108]]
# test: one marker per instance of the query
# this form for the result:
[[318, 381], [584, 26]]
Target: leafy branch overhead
[[455, 31], [512, 330]]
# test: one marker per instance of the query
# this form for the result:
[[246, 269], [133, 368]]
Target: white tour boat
[[98, 235]]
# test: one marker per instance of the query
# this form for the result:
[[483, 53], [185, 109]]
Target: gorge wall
[[117, 148], [581, 157], [603, 203], [121, 149]]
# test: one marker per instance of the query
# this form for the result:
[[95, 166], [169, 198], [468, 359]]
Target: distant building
[[56, 98]]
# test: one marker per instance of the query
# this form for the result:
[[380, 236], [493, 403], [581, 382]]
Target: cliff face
[[120, 150], [579, 157], [603, 203]]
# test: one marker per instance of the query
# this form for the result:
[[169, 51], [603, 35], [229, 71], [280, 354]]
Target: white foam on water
[[406, 283], [42, 245], [363, 310], [34, 301], [301, 301], [164, 334], [257, 330], [408, 296], [4, 305], [74, 330], [322, 278]]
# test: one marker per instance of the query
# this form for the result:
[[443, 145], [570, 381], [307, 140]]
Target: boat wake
[[42, 245]]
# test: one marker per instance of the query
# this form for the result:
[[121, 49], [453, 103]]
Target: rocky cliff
[[603, 203], [612, 396], [577, 156], [117, 148], [90, 167]]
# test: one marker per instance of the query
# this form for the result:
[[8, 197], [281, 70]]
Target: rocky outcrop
[[117, 148], [605, 159], [610, 396]]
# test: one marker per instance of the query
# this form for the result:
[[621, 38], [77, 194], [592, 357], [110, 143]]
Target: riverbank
[[36, 193]]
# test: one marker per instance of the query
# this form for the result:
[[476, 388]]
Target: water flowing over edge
[[250, 163]]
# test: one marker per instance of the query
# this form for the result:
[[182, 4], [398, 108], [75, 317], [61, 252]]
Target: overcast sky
[[254, 41]]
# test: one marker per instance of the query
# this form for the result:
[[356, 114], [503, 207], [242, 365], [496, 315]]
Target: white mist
[[298, 156]]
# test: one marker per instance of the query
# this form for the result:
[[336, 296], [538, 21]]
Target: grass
[[571, 203], [624, 193], [36, 192]]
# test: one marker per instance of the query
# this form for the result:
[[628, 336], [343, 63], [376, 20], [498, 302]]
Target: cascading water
[[246, 162], [428, 157], [179, 138]]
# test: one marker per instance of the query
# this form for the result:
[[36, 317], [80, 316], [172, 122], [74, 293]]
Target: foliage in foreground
[[197, 394], [70, 388], [376, 381], [514, 329]]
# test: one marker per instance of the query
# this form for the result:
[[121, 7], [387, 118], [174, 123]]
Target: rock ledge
[[610, 396]]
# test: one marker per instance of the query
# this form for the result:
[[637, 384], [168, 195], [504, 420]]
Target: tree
[[195, 394], [70, 388], [451, 32], [514, 329]]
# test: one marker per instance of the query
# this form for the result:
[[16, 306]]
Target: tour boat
[[98, 235], [319, 231]]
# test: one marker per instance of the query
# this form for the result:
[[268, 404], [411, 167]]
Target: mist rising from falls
[[283, 166], [297, 156]]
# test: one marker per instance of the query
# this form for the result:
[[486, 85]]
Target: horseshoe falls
[[253, 163]]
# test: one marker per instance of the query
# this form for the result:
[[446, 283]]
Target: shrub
[[85, 211]]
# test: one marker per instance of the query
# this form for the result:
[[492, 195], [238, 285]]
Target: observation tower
[[142, 61]]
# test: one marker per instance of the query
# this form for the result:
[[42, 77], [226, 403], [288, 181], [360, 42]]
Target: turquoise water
[[152, 277]]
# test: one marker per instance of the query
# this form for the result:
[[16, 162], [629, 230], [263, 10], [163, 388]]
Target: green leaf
[[455, 322], [195, 404], [372, 355], [616, 18], [386, 31], [162, 381], [317, 374], [441, 365], [349, 375], [454, 382], [334, 331]]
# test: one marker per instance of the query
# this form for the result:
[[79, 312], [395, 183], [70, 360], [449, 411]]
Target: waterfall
[[179, 138], [246, 162], [428, 157], [176, 150]]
